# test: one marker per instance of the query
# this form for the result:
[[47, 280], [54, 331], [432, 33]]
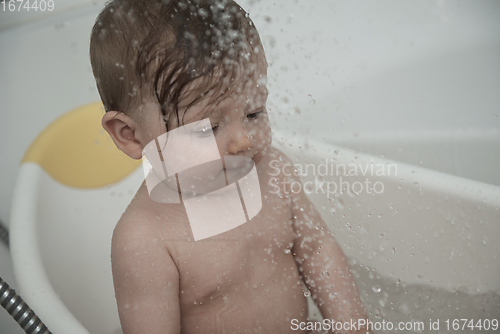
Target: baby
[[167, 65]]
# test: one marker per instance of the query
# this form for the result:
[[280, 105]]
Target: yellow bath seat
[[72, 187], [76, 151]]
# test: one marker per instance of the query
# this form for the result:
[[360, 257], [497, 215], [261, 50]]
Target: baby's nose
[[239, 140]]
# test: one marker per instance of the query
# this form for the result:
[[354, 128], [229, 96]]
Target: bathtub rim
[[26, 257], [427, 178], [27, 261]]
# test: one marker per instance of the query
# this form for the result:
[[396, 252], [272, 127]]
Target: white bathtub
[[414, 84], [425, 228]]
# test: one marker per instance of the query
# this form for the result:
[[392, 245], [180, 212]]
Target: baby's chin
[[260, 154], [212, 177], [210, 180]]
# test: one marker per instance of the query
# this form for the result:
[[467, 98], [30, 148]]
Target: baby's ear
[[123, 131]]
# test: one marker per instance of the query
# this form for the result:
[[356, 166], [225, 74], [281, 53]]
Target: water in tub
[[426, 300], [417, 305]]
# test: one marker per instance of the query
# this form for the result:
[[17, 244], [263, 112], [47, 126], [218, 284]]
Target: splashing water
[[393, 301], [398, 302]]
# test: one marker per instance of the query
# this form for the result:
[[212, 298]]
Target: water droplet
[[376, 288], [307, 293]]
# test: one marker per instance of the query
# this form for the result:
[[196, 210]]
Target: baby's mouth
[[212, 176], [236, 162], [236, 167]]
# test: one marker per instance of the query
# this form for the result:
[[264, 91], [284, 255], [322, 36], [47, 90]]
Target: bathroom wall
[[415, 81]]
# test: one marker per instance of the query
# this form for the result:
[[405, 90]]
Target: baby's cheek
[[263, 138]]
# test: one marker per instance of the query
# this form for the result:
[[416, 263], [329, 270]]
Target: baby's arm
[[146, 279], [323, 265]]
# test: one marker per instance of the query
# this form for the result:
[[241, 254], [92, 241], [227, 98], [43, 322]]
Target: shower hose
[[15, 305]]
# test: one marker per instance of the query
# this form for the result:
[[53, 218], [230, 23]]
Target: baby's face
[[234, 127], [239, 122]]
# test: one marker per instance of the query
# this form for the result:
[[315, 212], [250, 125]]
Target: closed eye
[[205, 132], [255, 114]]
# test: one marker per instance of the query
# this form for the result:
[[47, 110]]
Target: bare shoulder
[[146, 224], [145, 274], [135, 231], [274, 162], [136, 222], [279, 170]]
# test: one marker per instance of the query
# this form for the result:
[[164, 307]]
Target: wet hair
[[174, 51]]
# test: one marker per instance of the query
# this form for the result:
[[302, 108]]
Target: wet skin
[[247, 280], [242, 281]]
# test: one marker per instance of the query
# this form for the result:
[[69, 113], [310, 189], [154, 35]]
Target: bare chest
[[244, 258]]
